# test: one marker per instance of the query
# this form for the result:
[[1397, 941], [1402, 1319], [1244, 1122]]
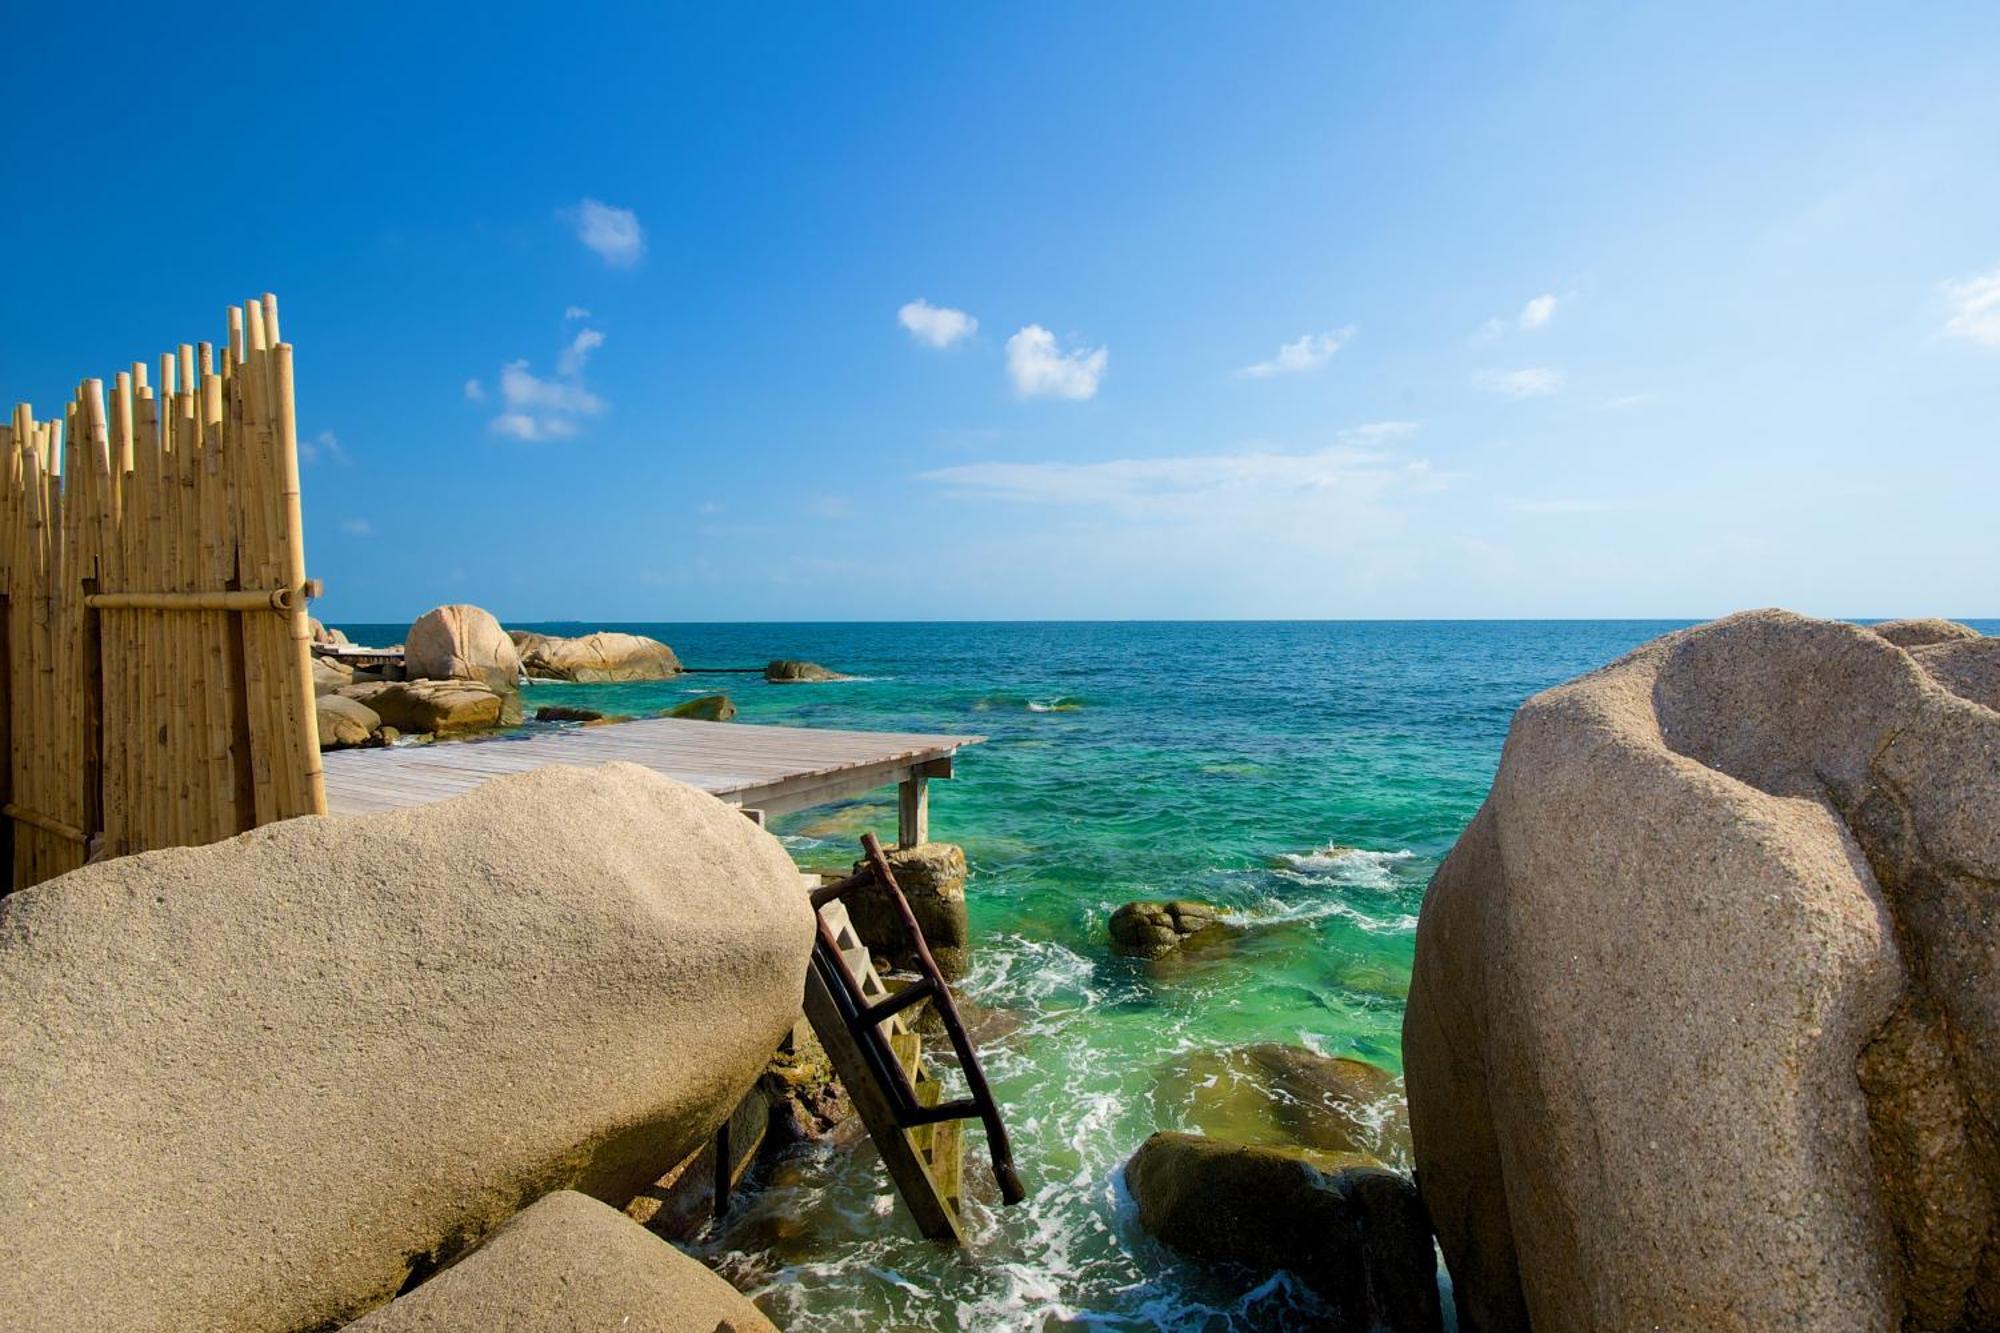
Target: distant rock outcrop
[[1352, 1229], [570, 1263], [791, 671], [599, 657], [1703, 1030], [461, 642], [271, 1082]]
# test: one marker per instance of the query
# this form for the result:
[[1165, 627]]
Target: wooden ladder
[[879, 1057]]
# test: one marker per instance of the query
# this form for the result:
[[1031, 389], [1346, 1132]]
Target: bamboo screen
[[157, 672]]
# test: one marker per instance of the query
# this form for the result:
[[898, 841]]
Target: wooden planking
[[776, 768]]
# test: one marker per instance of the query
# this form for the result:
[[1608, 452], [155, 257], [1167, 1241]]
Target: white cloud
[[575, 312], [357, 527], [534, 408], [1530, 382], [614, 233], [1039, 369], [573, 357], [1625, 401], [938, 325], [1537, 312], [323, 445], [475, 391], [1975, 308], [1310, 352]]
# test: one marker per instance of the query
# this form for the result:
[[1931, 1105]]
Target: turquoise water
[[1306, 776]]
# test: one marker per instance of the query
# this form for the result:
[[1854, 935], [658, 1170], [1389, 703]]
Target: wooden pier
[[766, 771]]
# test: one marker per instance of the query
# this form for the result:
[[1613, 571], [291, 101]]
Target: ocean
[[1306, 776]]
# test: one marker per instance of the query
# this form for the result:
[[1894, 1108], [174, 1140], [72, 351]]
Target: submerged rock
[[605, 655], [932, 878], [1155, 929], [565, 713], [1703, 1028], [1275, 1093], [345, 723], [1351, 1229], [570, 1263], [461, 642], [708, 708], [791, 671], [264, 1083]]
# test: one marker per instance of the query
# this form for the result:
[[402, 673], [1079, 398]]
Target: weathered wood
[[773, 769], [913, 811]]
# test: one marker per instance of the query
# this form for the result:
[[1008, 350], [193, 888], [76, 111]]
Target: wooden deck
[[764, 770]]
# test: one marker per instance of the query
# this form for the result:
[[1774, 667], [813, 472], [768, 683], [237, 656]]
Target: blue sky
[[616, 313]]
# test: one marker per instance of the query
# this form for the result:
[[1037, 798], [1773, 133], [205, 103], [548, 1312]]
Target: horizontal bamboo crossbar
[[44, 823], [249, 599]]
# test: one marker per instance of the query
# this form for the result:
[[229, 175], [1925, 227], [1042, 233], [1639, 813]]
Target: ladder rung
[[962, 1109], [897, 1003]]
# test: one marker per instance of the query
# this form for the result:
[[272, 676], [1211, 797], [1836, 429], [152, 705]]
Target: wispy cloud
[[357, 527], [1566, 505], [1975, 308], [1178, 482], [1529, 382], [1626, 401], [1041, 370], [1536, 314], [323, 445], [1310, 352], [937, 325], [575, 312], [534, 408], [614, 233]]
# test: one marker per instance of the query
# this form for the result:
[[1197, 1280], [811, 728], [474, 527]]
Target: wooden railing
[[154, 646]]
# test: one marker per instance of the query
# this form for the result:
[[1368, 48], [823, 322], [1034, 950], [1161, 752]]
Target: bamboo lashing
[[155, 658]]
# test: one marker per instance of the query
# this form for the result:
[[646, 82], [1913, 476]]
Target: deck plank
[[731, 759]]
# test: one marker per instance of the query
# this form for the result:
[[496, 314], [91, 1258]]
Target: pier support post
[[913, 811]]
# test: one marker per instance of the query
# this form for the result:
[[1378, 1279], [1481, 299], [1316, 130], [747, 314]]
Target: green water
[[1305, 776]]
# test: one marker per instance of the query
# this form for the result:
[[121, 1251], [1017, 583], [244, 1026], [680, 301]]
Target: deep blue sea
[[1305, 776]]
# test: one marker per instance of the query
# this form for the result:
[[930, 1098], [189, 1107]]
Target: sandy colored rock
[[1353, 1230], [569, 1264], [324, 634], [1916, 633], [602, 656], [260, 1084], [791, 671], [1969, 668], [1156, 929], [461, 642], [1702, 1028], [440, 707], [345, 722], [1288, 1096], [932, 878], [330, 676]]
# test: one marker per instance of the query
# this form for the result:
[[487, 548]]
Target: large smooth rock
[[602, 656], [329, 676], [461, 642], [345, 723], [1703, 1030], [1353, 1230], [932, 878], [569, 1264], [439, 707], [1285, 1095], [1156, 929], [264, 1083]]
